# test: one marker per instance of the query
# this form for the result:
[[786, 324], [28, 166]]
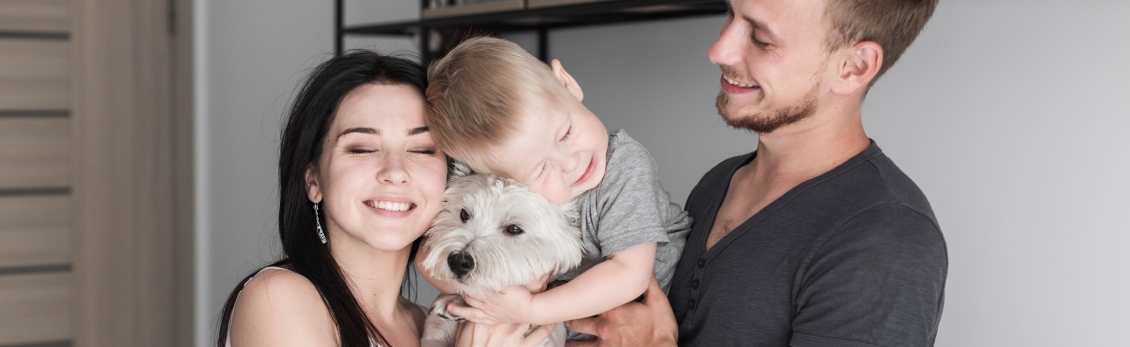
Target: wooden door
[[95, 173]]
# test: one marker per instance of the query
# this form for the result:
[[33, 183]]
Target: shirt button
[[694, 284], [701, 262], [692, 304]]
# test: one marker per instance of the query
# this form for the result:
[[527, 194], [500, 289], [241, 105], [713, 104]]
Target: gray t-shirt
[[629, 208], [853, 257]]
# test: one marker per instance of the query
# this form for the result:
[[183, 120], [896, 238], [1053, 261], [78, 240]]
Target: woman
[[360, 181]]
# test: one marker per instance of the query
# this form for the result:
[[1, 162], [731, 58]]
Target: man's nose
[[727, 49]]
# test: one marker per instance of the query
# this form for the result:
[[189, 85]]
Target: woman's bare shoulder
[[281, 308]]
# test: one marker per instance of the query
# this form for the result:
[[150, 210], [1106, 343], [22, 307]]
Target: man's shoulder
[[877, 180], [872, 202]]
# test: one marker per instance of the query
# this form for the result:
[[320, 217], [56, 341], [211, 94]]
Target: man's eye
[[758, 43]]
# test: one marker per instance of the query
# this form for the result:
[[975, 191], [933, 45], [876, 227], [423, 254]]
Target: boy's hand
[[509, 306]]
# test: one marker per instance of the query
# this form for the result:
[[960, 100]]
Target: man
[[817, 238]]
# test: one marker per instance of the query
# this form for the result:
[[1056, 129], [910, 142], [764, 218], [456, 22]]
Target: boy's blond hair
[[476, 94]]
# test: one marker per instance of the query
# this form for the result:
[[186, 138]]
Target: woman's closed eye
[[361, 150]]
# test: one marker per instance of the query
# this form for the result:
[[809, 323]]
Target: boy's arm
[[619, 279], [425, 248]]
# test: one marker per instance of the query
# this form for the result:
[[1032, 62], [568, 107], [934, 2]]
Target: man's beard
[[767, 121]]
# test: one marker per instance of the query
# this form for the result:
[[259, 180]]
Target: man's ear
[[313, 190], [567, 80], [858, 66]]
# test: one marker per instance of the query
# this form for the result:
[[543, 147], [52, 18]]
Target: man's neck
[[809, 148], [786, 158]]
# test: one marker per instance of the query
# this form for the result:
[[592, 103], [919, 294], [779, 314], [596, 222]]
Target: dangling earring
[[321, 234]]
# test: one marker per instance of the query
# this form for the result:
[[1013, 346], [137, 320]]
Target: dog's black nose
[[460, 264]]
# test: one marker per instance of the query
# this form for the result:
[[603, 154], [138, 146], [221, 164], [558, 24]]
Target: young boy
[[493, 106]]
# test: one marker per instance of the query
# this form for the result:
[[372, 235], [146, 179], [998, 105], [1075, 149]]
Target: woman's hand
[[471, 334]]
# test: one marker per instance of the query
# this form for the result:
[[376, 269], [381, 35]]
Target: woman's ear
[[313, 190], [567, 80]]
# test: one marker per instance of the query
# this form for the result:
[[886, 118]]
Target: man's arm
[[879, 280], [647, 323]]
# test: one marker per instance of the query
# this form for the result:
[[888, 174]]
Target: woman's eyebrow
[[359, 130], [417, 131]]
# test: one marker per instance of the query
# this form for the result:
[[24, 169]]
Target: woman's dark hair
[[306, 127]]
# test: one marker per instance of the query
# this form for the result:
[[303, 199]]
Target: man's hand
[[649, 323]]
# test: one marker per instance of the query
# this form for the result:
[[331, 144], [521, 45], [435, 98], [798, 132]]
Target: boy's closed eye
[[426, 151]]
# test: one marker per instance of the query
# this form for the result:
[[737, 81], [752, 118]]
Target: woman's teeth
[[388, 205], [739, 84]]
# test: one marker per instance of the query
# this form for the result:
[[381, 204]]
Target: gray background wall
[[1011, 116]]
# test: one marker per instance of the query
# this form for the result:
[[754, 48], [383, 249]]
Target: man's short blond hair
[[893, 24], [476, 94]]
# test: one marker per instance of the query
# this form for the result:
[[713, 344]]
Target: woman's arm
[[620, 278], [281, 308]]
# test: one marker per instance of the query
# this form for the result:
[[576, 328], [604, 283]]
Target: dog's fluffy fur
[[549, 241]]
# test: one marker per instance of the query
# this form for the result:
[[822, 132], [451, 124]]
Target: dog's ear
[[456, 169]]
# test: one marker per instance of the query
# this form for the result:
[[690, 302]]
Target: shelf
[[485, 7], [554, 14]]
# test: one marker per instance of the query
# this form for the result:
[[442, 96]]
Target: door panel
[[35, 308], [35, 152], [34, 231]]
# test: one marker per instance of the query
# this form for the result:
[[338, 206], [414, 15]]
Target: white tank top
[[371, 342]]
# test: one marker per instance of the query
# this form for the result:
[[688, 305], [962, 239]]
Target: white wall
[[1009, 114], [1012, 117]]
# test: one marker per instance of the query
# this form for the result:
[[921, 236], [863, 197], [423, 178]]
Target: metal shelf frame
[[539, 20]]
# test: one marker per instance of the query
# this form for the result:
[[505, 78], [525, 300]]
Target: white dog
[[491, 233]]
